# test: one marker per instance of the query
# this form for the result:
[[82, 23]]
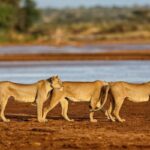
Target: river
[[34, 49], [28, 72]]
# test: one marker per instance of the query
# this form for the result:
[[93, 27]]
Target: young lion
[[79, 92], [33, 93]]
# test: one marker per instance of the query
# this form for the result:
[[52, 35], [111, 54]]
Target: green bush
[[8, 18]]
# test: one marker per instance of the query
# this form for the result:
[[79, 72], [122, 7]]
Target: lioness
[[129, 91], [33, 93], [79, 92]]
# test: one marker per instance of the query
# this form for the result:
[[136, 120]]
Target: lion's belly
[[24, 95], [78, 99], [139, 98], [137, 94], [29, 99]]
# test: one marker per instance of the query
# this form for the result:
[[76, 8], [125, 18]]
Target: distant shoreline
[[78, 43], [115, 55], [109, 55]]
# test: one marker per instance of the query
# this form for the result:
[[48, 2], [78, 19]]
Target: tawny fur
[[78, 92], [121, 91], [34, 93]]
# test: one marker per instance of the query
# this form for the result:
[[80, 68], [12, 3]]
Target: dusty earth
[[25, 133]]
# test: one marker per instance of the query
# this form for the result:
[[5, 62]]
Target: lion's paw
[[71, 120], [7, 120], [122, 120], [93, 120], [43, 120]]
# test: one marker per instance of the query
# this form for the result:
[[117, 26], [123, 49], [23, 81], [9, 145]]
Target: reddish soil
[[25, 133], [115, 55]]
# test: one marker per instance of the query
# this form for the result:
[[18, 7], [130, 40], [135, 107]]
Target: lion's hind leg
[[93, 105], [108, 113], [3, 104], [118, 104]]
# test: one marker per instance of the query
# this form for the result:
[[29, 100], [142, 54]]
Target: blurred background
[[70, 22], [42, 38]]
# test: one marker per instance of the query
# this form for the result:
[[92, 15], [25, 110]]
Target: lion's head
[[56, 82]]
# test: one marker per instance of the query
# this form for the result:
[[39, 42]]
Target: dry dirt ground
[[25, 133]]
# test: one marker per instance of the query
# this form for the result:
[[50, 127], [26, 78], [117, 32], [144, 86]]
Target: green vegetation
[[17, 17], [27, 23], [102, 20], [7, 16], [29, 15]]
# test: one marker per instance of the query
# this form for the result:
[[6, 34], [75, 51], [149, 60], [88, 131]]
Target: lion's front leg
[[64, 105], [47, 109], [54, 100], [40, 100], [39, 111]]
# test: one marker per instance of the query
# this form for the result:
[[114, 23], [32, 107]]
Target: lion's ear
[[50, 79]]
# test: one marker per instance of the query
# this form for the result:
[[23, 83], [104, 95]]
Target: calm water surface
[[28, 72], [72, 49]]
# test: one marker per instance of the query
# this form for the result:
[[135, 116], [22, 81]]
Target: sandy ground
[[24, 132]]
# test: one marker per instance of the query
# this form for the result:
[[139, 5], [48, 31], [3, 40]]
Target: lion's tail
[[105, 99]]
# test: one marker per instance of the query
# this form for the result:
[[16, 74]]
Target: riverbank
[[114, 55], [78, 43], [136, 49]]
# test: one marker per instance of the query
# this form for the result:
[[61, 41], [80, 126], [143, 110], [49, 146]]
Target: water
[[28, 72], [72, 49]]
